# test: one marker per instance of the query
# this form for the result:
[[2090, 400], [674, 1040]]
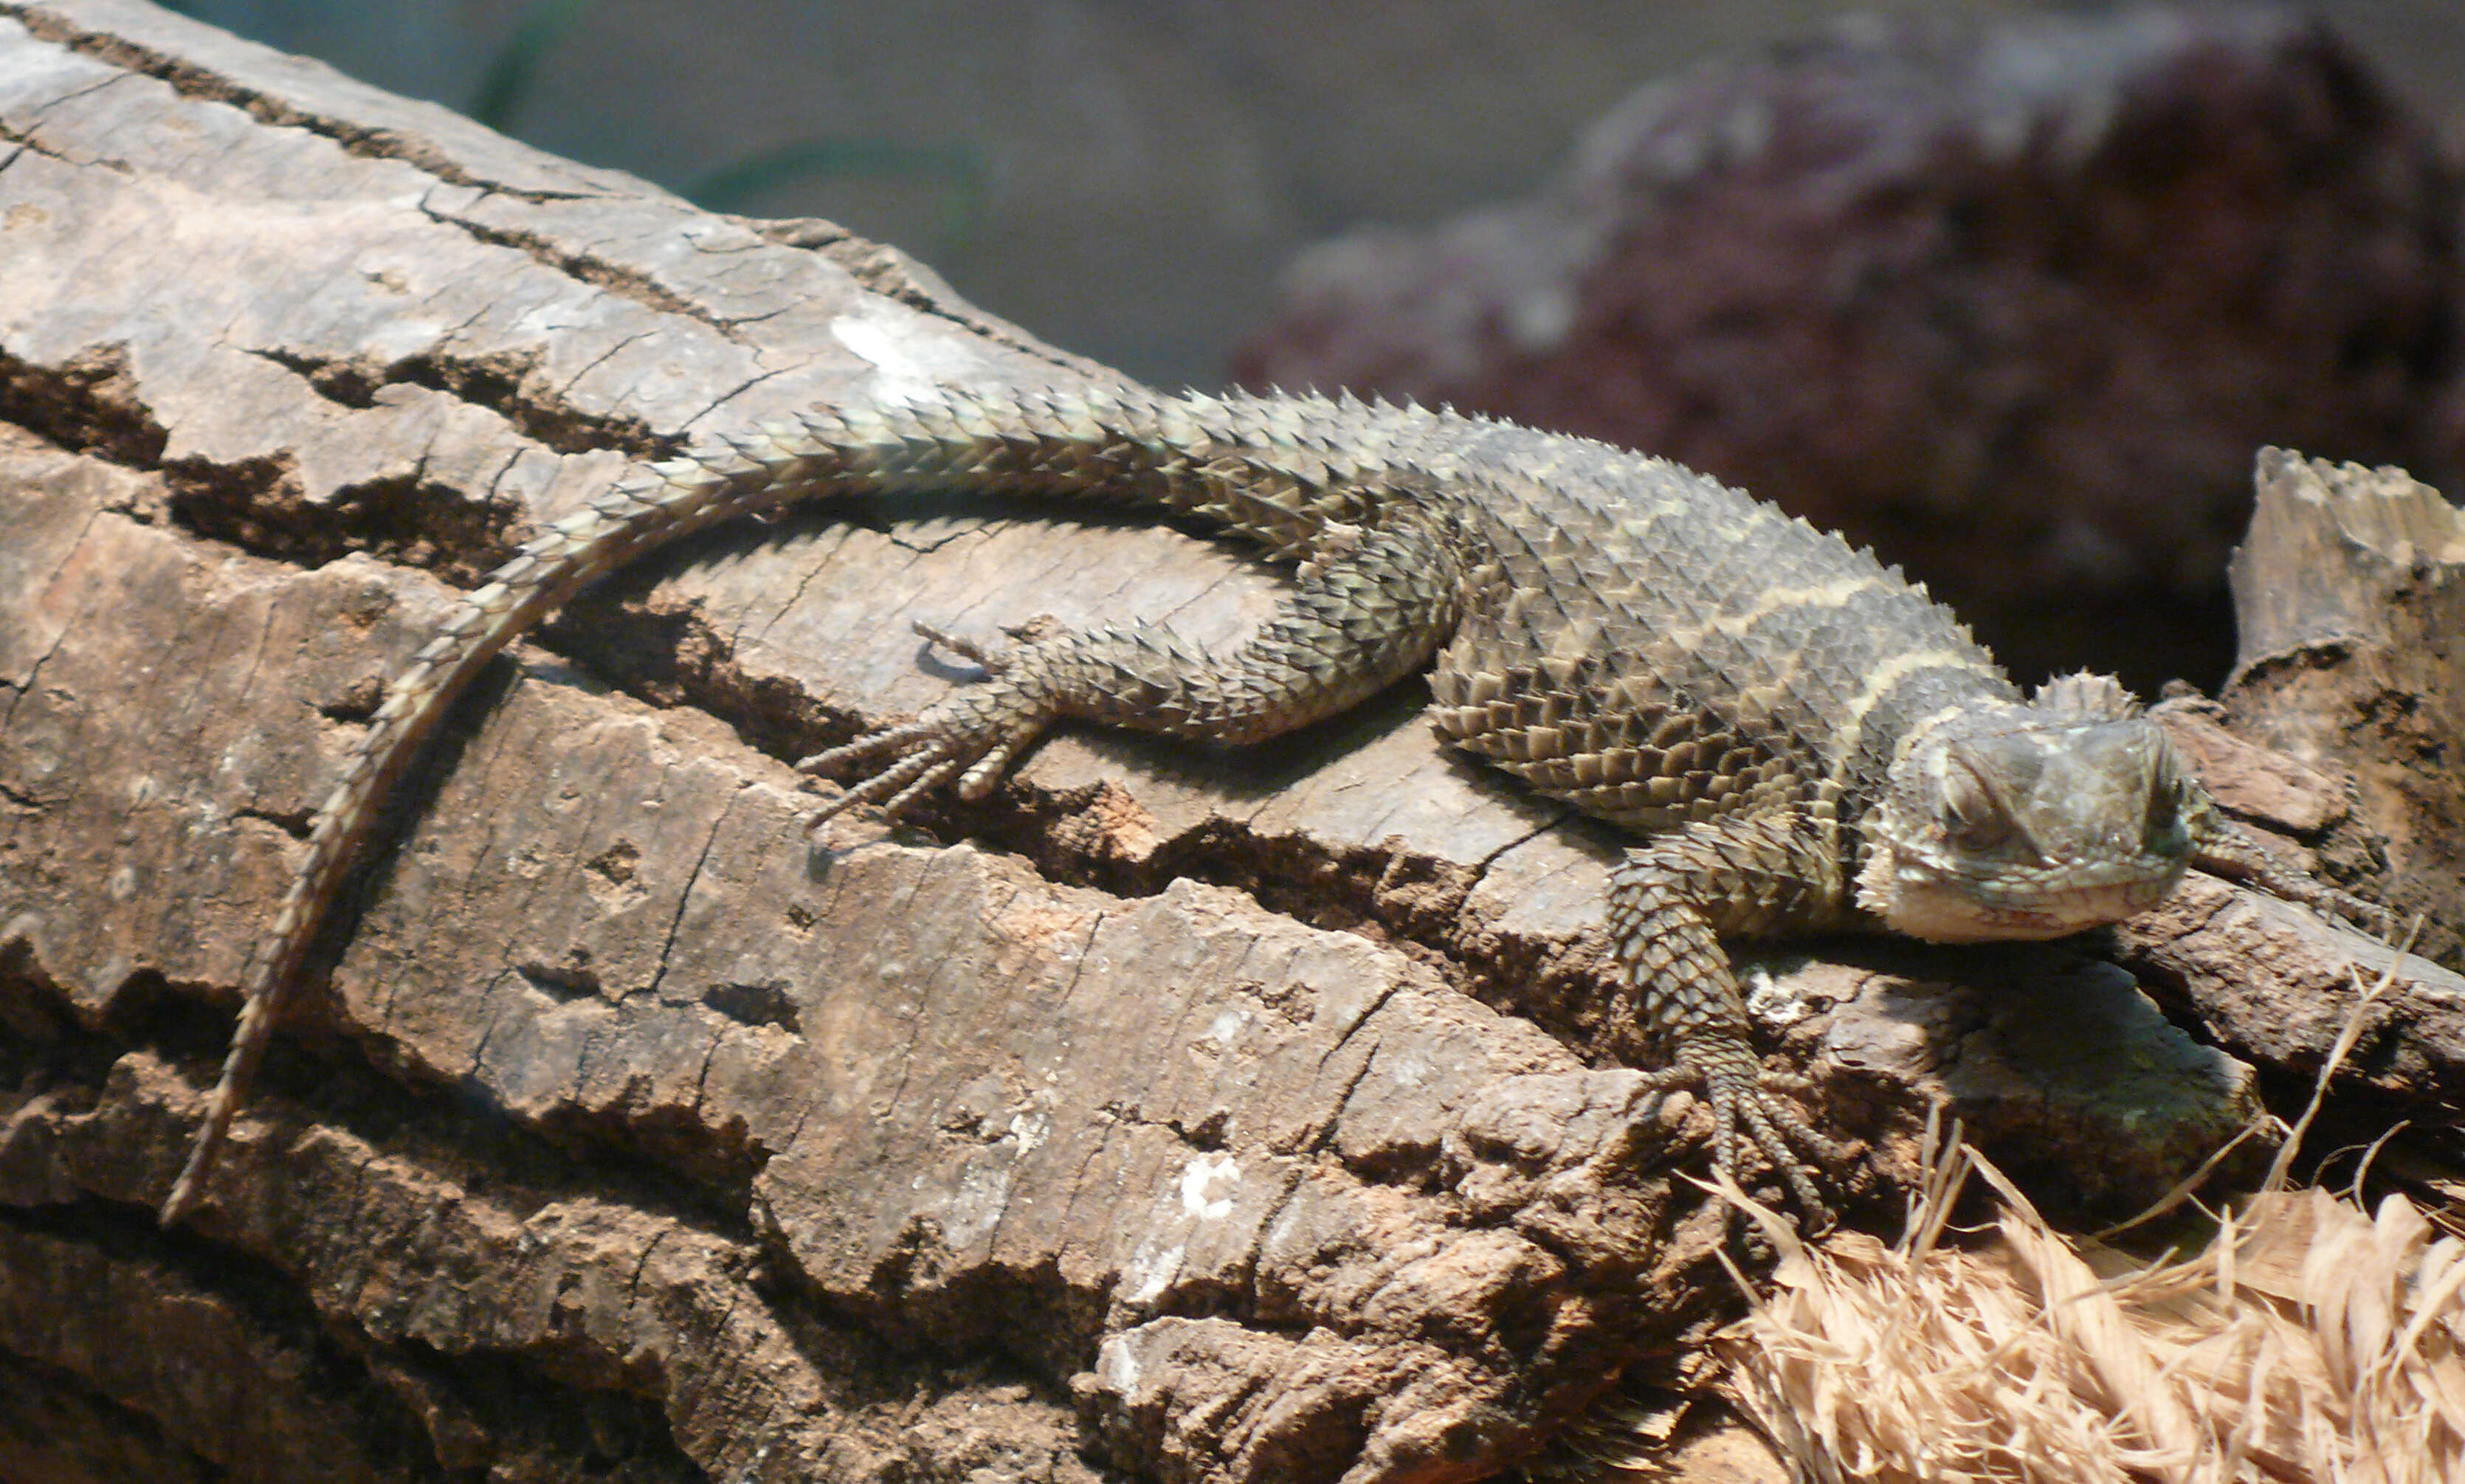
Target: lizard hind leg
[[1368, 609]]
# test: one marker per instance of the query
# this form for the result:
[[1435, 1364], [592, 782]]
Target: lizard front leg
[[1668, 904], [2222, 848]]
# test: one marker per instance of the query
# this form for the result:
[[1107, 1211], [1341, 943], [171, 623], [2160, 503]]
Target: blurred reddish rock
[[2014, 307]]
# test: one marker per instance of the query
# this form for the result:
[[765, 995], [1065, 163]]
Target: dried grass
[[2308, 1340]]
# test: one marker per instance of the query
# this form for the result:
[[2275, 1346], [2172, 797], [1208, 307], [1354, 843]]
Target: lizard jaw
[[1937, 908]]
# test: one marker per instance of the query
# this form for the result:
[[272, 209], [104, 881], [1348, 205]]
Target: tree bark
[[1183, 1114]]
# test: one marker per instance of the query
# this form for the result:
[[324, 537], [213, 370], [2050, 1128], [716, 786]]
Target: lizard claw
[[974, 737], [1747, 1098]]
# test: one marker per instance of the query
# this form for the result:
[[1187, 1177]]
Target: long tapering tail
[[1131, 447]]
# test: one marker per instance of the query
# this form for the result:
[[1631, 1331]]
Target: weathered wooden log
[[1177, 1114]]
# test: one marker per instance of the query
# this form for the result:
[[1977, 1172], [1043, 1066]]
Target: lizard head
[[2030, 821]]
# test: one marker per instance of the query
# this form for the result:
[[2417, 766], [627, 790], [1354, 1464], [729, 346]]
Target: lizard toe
[[1751, 1105], [972, 737], [1778, 1131], [991, 658]]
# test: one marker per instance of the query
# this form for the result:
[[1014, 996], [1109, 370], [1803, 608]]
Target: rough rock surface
[[1178, 1114], [2013, 306]]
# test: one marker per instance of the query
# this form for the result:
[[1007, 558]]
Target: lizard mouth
[[1942, 909]]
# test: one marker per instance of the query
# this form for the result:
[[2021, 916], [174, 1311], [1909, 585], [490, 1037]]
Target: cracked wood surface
[[1211, 1116]]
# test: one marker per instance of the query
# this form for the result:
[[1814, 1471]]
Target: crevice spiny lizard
[[1803, 739]]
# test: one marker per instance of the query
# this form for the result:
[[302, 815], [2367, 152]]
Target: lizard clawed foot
[[2232, 851], [2334, 904], [1746, 1098], [974, 737]]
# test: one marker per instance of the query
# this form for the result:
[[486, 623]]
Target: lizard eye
[[1973, 819], [2165, 829]]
